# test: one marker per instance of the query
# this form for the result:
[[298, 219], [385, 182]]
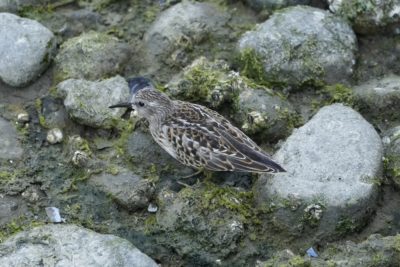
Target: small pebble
[[312, 253], [54, 136], [152, 208], [54, 215], [23, 117]]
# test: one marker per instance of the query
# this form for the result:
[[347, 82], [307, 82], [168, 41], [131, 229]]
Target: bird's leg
[[193, 174]]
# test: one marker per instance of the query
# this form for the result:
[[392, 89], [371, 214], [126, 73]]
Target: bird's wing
[[207, 137]]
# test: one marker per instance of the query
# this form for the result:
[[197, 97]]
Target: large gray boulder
[[91, 56], [333, 164], [319, 49], [88, 102], [179, 28], [70, 245], [10, 147], [380, 98], [369, 17], [127, 189], [26, 49]]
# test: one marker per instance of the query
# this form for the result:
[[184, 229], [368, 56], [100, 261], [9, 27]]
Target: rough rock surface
[[181, 27], [261, 112], [380, 98], [200, 220], [88, 102], [369, 17], [333, 165], [320, 49], [375, 251], [391, 140], [13, 6], [91, 56], [10, 147], [275, 4], [209, 83], [254, 108], [26, 49], [70, 245], [126, 188]]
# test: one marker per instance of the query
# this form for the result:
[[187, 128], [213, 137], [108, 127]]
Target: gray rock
[[333, 165], [199, 224], [10, 146], [380, 99], [87, 102], [91, 56], [266, 114], [391, 140], [319, 49], [369, 17], [126, 188], [10, 208], [70, 245], [208, 83], [275, 4], [26, 49], [178, 29], [13, 5]]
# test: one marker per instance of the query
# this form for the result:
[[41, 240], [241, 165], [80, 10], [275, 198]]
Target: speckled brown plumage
[[197, 136]]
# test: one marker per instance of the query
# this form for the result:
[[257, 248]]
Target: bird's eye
[[141, 104]]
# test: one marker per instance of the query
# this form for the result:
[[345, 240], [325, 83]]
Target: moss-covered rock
[[91, 56], [369, 16], [391, 141], [379, 99], [88, 102], [205, 223], [179, 30], [206, 82], [318, 50]]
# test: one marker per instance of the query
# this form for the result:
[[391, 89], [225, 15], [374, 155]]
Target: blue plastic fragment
[[312, 253]]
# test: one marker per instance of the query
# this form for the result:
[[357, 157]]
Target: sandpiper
[[196, 135]]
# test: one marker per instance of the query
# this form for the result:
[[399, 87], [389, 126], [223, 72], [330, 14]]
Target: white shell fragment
[[152, 208], [23, 117], [54, 215], [79, 158], [54, 136]]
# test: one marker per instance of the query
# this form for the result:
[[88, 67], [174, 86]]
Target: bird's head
[[146, 100]]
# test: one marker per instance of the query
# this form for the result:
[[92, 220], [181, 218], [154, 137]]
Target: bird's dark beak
[[122, 105]]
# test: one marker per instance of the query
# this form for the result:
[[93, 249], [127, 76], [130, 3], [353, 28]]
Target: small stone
[[311, 252], [152, 208], [54, 214], [32, 194], [23, 117], [54, 136], [80, 158]]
